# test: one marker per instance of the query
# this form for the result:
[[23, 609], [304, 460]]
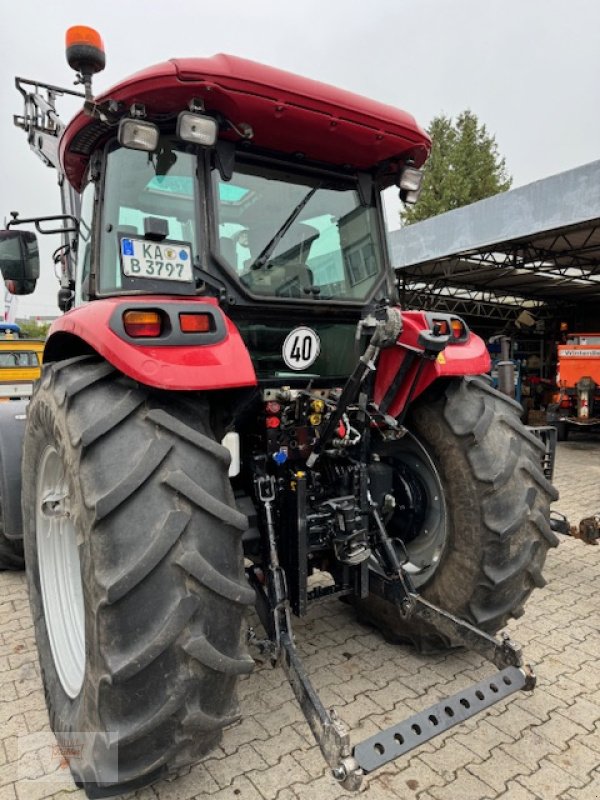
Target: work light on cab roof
[[85, 54]]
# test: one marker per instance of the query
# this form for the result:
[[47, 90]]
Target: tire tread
[[167, 595]]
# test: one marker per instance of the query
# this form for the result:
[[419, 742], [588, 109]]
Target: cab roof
[[289, 115]]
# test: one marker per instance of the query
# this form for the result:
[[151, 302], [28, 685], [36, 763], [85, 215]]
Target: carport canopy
[[536, 247]]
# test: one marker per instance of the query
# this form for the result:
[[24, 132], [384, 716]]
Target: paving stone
[[483, 739], [559, 730], [324, 788], [275, 747], [239, 789], [224, 770], [584, 712], [579, 760], [451, 757], [513, 720], [591, 791], [270, 781], [267, 699], [424, 679], [195, 783], [393, 695], [586, 676], [498, 769], [564, 689], [312, 761], [8, 792], [592, 740], [530, 749], [516, 791], [38, 720], [591, 644], [410, 780], [465, 787], [549, 780], [8, 692], [274, 721], [359, 709], [13, 624], [355, 687], [539, 703], [248, 730], [574, 657]]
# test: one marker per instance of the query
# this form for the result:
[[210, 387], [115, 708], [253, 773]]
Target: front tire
[[140, 487], [497, 513]]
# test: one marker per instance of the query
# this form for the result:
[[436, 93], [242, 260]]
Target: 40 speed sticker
[[301, 348]]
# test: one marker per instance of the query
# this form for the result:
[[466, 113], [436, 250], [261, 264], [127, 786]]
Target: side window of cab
[[84, 244]]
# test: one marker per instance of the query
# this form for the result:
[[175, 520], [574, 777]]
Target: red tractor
[[234, 412]]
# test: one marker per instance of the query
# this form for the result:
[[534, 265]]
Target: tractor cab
[[222, 177]]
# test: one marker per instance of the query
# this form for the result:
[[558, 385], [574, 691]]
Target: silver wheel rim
[[60, 573]]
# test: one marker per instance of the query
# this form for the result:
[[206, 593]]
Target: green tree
[[464, 166], [32, 329]]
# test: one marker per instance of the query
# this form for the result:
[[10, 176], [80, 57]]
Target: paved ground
[[546, 745]]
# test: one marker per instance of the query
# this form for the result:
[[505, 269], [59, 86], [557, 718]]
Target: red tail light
[[196, 323]]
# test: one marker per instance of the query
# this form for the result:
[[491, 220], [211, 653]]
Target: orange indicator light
[[81, 34], [142, 324]]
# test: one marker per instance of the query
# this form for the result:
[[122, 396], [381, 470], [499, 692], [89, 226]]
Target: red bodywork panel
[[222, 365], [288, 114], [227, 364], [465, 358]]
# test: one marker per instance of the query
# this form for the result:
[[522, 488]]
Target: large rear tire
[[130, 486], [496, 513]]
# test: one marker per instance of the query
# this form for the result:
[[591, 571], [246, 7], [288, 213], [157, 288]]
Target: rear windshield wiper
[[264, 255]]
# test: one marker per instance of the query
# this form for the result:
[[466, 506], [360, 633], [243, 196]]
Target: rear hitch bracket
[[349, 764]]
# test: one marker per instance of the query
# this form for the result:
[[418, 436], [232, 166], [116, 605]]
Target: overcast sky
[[529, 69]]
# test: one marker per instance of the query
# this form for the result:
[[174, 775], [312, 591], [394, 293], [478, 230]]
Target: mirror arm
[[16, 220]]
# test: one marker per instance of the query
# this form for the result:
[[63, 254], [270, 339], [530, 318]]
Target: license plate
[[163, 261]]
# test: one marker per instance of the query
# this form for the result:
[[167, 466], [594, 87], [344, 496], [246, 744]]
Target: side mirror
[[19, 261]]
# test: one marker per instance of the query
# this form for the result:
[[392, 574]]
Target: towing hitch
[[349, 764]]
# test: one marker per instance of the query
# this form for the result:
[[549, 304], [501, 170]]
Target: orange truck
[[578, 381]]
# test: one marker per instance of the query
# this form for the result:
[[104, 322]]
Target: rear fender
[[173, 361], [469, 357], [12, 432]]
